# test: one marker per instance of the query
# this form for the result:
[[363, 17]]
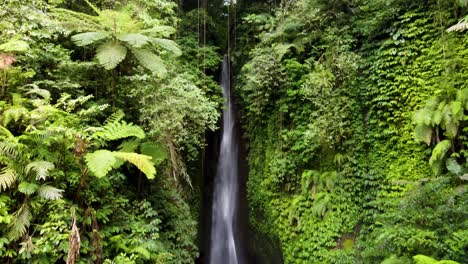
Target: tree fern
[[20, 222], [110, 54], [41, 168], [50, 193], [118, 31], [7, 178]]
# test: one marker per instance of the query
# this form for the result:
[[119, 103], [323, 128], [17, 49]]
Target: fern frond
[[142, 252], [453, 166], [134, 40], [142, 162], [7, 178], [14, 113], [76, 21], [84, 39], [38, 91], [27, 188], [164, 31], [8, 149], [168, 45], [129, 145], [115, 117], [119, 130], [110, 54], [150, 61], [6, 133], [20, 222], [100, 162], [95, 9], [155, 151], [41, 168], [49, 193]]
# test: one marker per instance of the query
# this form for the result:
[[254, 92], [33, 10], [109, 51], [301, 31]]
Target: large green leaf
[[27, 188], [142, 162], [155, 151], [423, 133], [454, 167], [84, 39], [150, 61], [134, 40], [168, 44], [110, 54], [100, 162]]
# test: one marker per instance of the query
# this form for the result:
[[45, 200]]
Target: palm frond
[[168, 44], [150, 61], [41, 168], [49, 193], [134, 40], [84, 39], [20, 222], [142, 162], [7, 178], [110, 54]]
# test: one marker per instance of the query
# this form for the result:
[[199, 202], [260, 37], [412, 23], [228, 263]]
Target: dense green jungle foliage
[[355, 113], [103, 110]]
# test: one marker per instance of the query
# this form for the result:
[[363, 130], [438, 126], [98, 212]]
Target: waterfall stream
[[224, 248]]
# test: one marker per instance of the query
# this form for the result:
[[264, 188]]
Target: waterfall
[[224, 249]]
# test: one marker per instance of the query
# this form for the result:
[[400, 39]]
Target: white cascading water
[[223, 241]]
